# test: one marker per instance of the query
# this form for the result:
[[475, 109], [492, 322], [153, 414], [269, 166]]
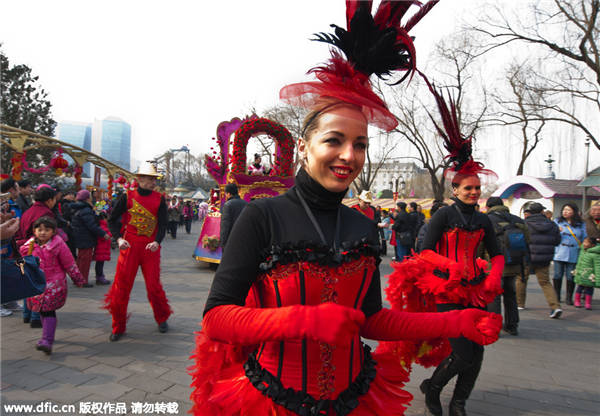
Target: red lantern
[[110, 185], [17, 165], [59, 163]]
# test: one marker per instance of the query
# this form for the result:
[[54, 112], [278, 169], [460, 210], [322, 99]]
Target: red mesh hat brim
[[339, 80], [471, 168]]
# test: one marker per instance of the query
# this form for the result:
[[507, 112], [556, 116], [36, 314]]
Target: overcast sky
[[174, 70]]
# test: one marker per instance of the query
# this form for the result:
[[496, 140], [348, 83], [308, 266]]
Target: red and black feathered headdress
[[460, 149], [377, 44]]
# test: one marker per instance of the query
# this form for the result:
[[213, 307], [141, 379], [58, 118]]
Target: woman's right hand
[[332, 323]]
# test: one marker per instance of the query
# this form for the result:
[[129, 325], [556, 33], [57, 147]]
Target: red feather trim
[[419, 15], [404, 294]]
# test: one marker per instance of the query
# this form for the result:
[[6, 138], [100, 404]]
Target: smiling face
[[468, 190], [595, 211], [334, 153]]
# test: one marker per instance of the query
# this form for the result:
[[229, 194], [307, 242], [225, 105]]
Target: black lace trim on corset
[[312, 252], [466, 227], [303, 403]]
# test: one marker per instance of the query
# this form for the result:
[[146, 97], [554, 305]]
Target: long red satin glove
[[445, 265], [393, 325], [493, 282], [329, 322]]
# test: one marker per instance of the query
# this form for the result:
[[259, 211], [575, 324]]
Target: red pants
[[84, 260], [117, 298]]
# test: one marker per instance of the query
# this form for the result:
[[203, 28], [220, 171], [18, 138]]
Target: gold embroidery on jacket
[[141, 219]]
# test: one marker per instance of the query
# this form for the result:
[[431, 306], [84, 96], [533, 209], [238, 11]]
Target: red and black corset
[[305, 365]]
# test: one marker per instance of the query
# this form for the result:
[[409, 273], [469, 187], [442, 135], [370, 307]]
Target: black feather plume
[[370, 48]]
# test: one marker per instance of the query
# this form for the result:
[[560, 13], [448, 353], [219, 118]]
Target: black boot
[[464, 385], [433, 386], [557, 283], [570, 289]]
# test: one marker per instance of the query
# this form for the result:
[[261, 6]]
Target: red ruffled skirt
[[220, 385]]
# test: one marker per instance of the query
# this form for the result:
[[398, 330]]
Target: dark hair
[[43, 194], [46, 221], [413, 205], [494, 201], [7, 184], [24, 183], [437, 205], [231, 188], [401, 205], [576, 217]]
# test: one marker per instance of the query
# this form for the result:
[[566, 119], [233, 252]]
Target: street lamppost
[[394, 189], [585, 174], [549, 162]]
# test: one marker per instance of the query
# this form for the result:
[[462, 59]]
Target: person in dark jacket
[[404, 226], [231, 211], [86, 231], [544, 235], [423, 230], [65, 210], [174, 210], [417, 217], [25, 191], [500, 216]]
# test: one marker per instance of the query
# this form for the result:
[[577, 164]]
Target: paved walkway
[[552, 368]]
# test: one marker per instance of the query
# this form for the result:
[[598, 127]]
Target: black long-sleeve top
[[447, 218], [280, 227], [120, 207]]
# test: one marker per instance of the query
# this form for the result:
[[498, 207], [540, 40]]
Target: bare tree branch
[[568, 81]]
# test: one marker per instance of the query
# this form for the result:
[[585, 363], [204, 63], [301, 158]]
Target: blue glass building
[[77, 134], [114, 136]]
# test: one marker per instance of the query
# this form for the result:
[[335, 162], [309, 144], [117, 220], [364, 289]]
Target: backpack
[[511, 239]]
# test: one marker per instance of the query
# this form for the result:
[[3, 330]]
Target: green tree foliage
[[24, 104]]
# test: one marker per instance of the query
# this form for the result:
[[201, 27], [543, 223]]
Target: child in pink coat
[[55, 260], [102, 250]]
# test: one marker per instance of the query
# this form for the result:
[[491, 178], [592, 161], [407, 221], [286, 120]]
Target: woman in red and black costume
[[448, 272], [298, 286]]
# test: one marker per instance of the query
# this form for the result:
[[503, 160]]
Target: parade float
[[227, 165]]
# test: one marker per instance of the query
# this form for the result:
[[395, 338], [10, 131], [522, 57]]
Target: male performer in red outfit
[[365, 199], [139, 218]]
